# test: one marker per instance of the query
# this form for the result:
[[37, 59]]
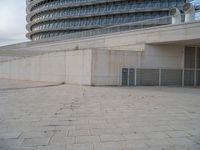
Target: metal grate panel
[[198, 58], [190, 57], [198, 78], [124, 76], [189, 77], [171, 77], [148, 77], [131, 77]]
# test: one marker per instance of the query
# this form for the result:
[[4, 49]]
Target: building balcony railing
[[41, 34]]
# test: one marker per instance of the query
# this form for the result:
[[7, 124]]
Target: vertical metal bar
[[128, 84], [183, 77], [183, 72], [195, 68], [135, 76], [160, 76]]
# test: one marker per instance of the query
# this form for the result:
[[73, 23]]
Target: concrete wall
[[91, 67], [78, 67], [106, 65], [48, 68], [73, 67], [162, 56]]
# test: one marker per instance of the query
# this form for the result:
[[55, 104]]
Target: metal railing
[[114, 29], [160, 77]]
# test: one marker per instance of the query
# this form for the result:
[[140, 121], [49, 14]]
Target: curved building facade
[[49, 18]]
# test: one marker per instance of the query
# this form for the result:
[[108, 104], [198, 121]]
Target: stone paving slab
[[35, 116]]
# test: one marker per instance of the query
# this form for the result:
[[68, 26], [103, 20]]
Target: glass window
[[172, 3]]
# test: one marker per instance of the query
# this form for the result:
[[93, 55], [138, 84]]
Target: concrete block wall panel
[[107, 65], [178, 34], [57, 66], [51, 67], [14, 71], [48, 68], [162, 56], [87, 67], [6, 70], [27, 69], [119, 41], [44, 68], [78, 67], [22, 69], [35, 68], [2, 70]]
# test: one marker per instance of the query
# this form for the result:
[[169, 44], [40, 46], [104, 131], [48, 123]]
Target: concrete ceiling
[[195, 42]]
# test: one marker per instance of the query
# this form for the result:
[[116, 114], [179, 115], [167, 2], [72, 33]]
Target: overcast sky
[[13, 22]]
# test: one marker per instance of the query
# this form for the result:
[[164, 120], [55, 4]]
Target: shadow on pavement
[[30, 87]]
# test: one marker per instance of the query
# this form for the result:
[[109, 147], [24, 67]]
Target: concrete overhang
[[181, 34], [191, 42]]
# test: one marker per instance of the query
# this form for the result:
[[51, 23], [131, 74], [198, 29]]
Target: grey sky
[[12, 23]]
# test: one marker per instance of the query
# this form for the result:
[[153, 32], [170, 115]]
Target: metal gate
[[125, 76], [131, 77], [148, 77], [189, 77], [191, 66], [171, 77]]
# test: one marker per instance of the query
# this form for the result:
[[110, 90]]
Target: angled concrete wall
[[78, 67], [48, 68], [91, 67], [73, 67]]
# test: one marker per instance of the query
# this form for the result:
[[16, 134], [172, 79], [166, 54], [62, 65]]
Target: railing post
[[183, 77], [135, 76], [195, 68], [160, 76]]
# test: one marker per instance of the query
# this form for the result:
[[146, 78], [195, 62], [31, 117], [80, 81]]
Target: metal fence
[[171, 77], [160, 77], [147, 77]]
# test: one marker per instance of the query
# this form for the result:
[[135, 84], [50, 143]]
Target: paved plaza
[[41, 116]]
